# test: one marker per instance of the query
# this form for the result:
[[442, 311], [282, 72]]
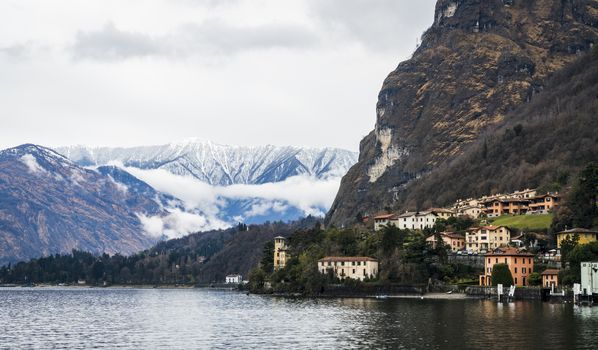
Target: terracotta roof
[[577, 230], [550, 272], [385, 216], [439, 210], [508, 251], [407, 214], [347, 258], [507, 200], [547, 195], [490, 227]]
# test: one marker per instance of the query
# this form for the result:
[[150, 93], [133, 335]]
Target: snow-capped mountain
[[50, 205], [222, 165]]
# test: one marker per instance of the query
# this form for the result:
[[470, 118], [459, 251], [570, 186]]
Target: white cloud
[[178, 223], [308, 194], [263, 207], [153, 226], [31, 162]]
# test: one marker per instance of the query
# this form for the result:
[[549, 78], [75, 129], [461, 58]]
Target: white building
[[354, 267], [234, 279], [417, 220], [487, 238], [385, 220], [589, 278]]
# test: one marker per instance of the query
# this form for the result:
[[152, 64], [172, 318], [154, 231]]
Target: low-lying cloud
[[308, 195]]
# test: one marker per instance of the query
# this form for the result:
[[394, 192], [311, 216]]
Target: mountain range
[[52, 204], [221, 165]]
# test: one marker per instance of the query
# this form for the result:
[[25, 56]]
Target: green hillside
[[524, 221]]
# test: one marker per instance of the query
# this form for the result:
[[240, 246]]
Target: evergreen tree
[[501, 275]]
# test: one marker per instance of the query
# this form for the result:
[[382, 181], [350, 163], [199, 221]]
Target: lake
[[84, 318]]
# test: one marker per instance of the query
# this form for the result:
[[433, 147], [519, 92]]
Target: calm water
[[45, 318]]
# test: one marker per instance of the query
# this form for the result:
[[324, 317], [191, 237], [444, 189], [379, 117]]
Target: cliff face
[[478, 61]]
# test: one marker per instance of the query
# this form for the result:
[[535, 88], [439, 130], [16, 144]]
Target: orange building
[[521, 265], [506, 206], [455, 241], [550, 278], [543, 204]]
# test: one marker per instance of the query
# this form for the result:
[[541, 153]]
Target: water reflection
[[178, 319]]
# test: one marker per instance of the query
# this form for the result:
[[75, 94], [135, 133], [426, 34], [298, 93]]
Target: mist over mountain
[[232, 184]]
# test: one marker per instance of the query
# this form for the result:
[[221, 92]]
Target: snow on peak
[[218, 164]]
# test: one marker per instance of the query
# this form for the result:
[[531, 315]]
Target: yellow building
[[484, 239], [281, 254], [585, 236], [442, 213], [521, 265], [550, 278], [354, 267]]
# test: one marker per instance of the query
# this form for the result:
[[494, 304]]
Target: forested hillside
[[198, 258], [542, 144]]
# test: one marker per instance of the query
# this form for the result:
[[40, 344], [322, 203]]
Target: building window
[[515, 260], [515, 280], [505, 260], [515, 270], [353, 271]]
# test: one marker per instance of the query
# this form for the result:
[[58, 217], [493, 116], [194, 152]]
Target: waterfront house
[[486, 238], [234, 279], [520, 262], [453, 240], [585, 236], [385, 220], [543, 204], [354, 267], [550, 278], [281, 253]]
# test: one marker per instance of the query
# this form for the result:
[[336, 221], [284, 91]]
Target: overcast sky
[[124, 73]]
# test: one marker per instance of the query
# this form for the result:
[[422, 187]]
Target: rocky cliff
[[480, 60]]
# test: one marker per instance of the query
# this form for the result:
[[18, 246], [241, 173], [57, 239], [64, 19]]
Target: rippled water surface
[[74, 318]]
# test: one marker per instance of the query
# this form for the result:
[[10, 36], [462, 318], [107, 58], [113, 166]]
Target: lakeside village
[[459, 249]]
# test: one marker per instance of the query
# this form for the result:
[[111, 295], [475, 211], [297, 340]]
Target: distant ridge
[[222, 165]]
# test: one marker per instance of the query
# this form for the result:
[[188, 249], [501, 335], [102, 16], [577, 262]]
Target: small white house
[[234, 279]]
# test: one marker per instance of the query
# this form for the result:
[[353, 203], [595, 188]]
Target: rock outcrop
[[480, 60]]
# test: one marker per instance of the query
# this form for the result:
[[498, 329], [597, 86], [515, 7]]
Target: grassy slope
[[524, 221]]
